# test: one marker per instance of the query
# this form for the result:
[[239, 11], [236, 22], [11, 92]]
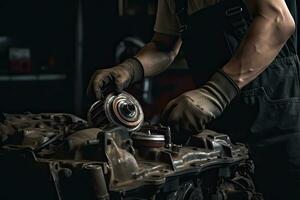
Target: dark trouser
[[277, 169], [267, 117]]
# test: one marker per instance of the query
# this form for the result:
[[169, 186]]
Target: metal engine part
[[117, 110], [57, 156], [62, 157]]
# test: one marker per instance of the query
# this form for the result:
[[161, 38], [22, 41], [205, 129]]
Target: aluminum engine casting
[[59, 156]]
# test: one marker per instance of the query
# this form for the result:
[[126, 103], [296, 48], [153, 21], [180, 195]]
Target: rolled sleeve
[[166, 20]]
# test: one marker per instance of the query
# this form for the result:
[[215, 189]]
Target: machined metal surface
[[120, 109], [59, 156]]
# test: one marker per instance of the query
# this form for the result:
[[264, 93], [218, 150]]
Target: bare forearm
[[157, 57], [265, 38]]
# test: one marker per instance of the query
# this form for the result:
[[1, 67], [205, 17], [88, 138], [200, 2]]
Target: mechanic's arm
[[272, 26], [158, 54], [152, 59]]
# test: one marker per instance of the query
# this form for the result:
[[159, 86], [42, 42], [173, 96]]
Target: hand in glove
[[191, 111], [115, 78]]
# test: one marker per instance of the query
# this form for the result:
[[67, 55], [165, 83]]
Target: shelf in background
[[35, 77]]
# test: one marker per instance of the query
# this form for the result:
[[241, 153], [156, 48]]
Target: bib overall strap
[[182, 14], [237, 14]]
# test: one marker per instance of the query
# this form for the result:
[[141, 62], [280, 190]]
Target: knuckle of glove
[[99, 79], [188, 114], [122, 80], [99, 75], [186, 102], [177, 107], [205, 118], [187, 98], [168, 114]]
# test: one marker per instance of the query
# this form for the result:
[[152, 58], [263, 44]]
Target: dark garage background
[[67, 41]]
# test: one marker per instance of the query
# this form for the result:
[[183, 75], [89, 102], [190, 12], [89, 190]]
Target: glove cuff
[[223, 88], [135, 68], [230, 86]]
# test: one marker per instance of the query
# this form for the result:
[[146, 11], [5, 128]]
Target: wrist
[[135, 68], [229, 85], [221, 90], [223, 83]]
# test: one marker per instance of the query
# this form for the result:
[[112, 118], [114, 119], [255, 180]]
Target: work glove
[[191, 111], [116, 78]]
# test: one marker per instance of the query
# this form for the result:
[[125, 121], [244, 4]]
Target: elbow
[[285, 27], [175, 50], [291, 26], [288, 28], [172, 55]]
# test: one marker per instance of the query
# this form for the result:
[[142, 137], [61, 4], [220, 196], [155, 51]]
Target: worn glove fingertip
[[97, 90], [119, 87], [169, 108]]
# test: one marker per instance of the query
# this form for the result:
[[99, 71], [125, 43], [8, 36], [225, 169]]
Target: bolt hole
[[164, 170], [108, 142], [155, 176], [56, 166]]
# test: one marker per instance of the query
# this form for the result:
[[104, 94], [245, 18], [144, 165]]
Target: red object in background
[[20, 60], [168, 86], [165, 87]]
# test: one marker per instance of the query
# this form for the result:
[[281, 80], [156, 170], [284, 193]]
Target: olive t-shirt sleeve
[[166, 20]]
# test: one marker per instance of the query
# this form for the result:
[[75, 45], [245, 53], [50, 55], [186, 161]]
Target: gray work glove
[[191, 111], [116, 78]]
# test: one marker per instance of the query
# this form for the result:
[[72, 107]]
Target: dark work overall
[[266, 115]]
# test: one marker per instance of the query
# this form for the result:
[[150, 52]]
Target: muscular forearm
[[270, 29], [156, 57]]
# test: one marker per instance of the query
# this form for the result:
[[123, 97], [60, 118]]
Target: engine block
[[116, 155], [58, 156]]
